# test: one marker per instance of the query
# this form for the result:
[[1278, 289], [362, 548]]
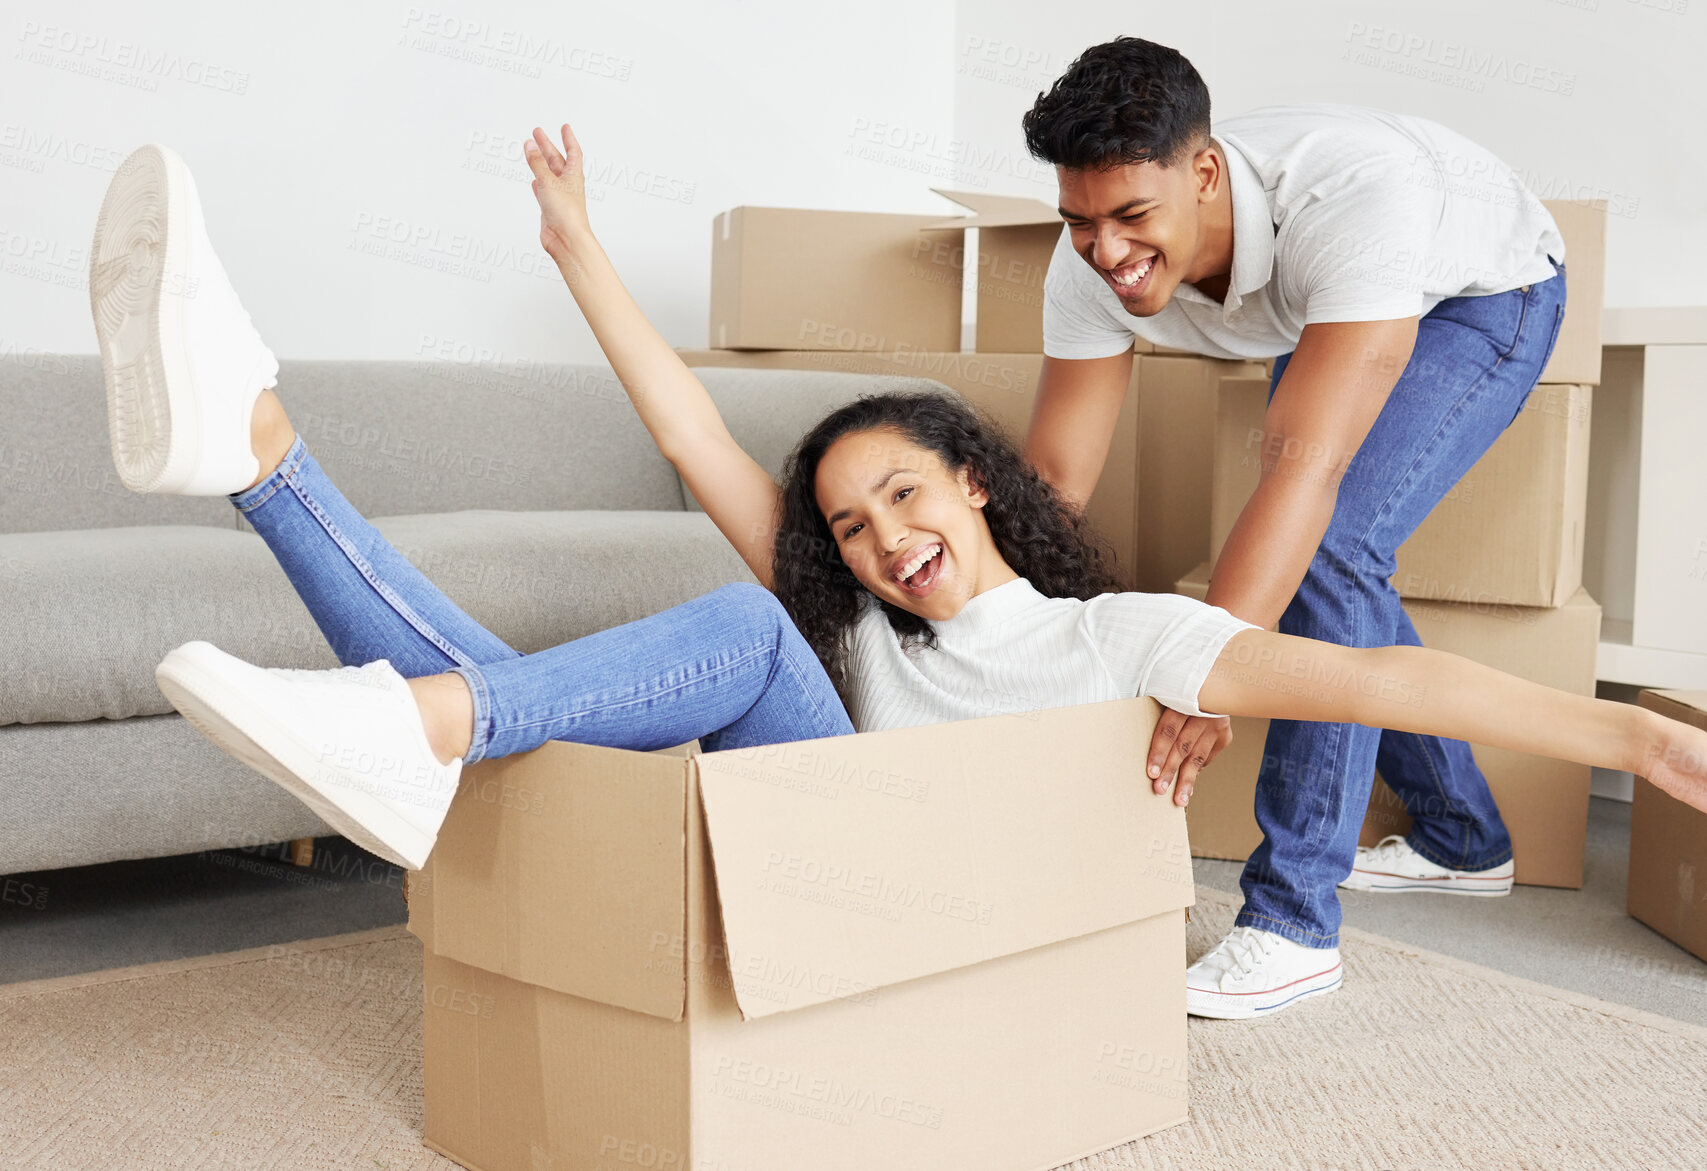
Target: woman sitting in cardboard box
[[912, 563]]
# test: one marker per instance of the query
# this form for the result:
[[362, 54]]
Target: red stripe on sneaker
[[1434, 877], [1266, 991]]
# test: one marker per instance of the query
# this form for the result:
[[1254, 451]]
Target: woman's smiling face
[[908, 527]]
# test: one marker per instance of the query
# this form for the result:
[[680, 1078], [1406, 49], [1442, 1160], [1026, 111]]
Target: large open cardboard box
[[1668, 844], [1509, 533], [1016, 236], [1543, 801], [958, 945]]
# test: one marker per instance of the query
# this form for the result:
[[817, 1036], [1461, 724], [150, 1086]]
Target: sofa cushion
[[397, 437], [56, 462], [102, 790], [91, 613], [401, 438]]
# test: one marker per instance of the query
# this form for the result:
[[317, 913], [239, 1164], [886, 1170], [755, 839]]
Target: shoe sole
[[207, 687], [1243, 1006], [139, 239], [141, 247], [1440, 886]]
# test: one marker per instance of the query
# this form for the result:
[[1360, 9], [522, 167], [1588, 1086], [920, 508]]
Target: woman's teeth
[[1127, 277], [912, 567]]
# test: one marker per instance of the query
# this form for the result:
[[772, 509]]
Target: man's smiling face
[[1140, 225]]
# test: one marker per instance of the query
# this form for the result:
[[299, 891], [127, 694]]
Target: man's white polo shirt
[[1340, 213]]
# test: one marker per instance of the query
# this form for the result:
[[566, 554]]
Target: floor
[[1577, 939], [67, 921]]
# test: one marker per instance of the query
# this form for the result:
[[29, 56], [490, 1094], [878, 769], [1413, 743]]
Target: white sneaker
[[1252, 972], [1393, 866], [182, 361], [350, 742]]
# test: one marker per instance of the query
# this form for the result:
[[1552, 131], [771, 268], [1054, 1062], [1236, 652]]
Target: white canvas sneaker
[[1392, 866], [1253, 972], [350, 742], [182, 361]]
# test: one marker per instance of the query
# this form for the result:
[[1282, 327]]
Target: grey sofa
[[534, 498]]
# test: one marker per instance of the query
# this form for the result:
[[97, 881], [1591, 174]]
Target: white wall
[[1614, 107], [357, 121], [319, 130]]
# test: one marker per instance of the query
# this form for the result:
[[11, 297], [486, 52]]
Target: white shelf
[[1619, 662], [1682, 325]]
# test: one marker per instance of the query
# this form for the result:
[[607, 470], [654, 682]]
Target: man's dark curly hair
[[1040, 536], [1126, 101]]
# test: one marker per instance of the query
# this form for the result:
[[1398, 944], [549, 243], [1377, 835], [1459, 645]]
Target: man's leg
[[1475, 362], [1455, 821]]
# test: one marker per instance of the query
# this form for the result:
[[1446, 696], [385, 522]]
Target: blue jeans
[[1475, 363], [728, 668]]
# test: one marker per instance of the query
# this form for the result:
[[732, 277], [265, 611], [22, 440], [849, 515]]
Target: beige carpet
[[308, 1057]]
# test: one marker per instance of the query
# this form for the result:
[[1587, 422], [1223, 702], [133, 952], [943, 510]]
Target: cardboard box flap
[[566, 867], [1685, 706], [995, 211], [843, 865]]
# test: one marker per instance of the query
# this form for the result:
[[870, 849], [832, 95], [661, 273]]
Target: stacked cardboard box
[[795, 279], [1668, 844], [1576, 355], [1509, 533], [909, 954]]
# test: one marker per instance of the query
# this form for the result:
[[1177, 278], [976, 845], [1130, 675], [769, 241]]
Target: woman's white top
[[1011, 649]]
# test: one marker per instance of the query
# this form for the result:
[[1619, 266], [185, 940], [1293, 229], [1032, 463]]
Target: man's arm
[[1072, 421], [1334, 387]]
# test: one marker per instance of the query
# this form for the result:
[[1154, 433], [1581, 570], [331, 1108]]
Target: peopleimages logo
[[806, 1086], [928, 152], [30, 149], [454, 253], [508, 50], [126, 62], [1449, 62]]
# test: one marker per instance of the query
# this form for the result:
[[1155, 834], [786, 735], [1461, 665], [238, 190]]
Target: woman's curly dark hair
[[1124, 101], [1039, 534]]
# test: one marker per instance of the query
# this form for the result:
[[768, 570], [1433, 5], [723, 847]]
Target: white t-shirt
[[1011, 649], [1340, 213]]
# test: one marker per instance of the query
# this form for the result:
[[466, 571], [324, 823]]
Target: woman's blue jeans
[[1475, 363], [728, 668]]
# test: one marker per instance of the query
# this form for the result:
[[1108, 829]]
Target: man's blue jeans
[[1475, 363], [727, 668]]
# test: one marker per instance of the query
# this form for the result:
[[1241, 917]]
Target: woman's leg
[[367, 598], [727, 668]]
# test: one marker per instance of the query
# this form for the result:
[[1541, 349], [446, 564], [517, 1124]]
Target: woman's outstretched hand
[[1675, 762], [561, 190]]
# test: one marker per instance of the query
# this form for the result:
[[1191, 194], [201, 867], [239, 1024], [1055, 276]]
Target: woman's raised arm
[[739, 496]]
